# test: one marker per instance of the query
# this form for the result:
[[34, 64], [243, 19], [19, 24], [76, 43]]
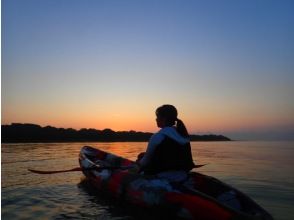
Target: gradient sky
[[228, 66]]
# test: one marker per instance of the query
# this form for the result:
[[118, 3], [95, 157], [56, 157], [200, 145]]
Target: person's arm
[[155, 140]]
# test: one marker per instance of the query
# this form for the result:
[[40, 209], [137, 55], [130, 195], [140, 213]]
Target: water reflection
[[263, 170]]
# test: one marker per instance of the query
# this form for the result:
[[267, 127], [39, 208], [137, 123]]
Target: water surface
[[262, 170]]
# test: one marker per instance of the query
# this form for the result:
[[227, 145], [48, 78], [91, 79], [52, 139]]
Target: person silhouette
[[168, 154]]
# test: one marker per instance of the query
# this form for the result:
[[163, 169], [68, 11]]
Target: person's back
[[169, 152]]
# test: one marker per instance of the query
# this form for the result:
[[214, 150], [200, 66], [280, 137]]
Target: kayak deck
[[198, 197]]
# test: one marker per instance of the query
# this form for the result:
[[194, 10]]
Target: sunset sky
[[228, 66]]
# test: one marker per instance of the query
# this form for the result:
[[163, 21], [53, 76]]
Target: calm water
[[263, 170]]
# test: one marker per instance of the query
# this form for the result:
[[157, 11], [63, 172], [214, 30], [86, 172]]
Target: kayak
[[198, 197]]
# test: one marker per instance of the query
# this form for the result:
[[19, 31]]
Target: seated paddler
[[168, 154]]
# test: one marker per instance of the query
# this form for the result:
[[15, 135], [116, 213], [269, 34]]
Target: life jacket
[[170, 155]]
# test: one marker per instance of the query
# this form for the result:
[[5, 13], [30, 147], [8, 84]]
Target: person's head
[[167, 116]]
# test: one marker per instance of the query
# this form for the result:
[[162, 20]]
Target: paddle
[[78, 169], [91, 168], [200, 165], [55, 171]]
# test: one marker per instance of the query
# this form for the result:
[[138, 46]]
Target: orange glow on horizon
[[140, 116], [146, 123]]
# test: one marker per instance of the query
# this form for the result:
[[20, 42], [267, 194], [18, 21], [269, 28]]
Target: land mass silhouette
[[18, 132]]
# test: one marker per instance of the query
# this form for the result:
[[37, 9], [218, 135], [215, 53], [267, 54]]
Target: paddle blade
[[200, 165]]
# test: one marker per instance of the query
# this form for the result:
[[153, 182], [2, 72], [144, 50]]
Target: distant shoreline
[[32, 133]]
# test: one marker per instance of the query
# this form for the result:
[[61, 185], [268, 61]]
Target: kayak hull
[[198, 197]]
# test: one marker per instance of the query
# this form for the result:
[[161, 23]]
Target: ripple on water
[[55, 202], [262, 170]]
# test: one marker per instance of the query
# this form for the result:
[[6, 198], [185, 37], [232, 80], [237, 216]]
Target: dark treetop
[[17, 132]]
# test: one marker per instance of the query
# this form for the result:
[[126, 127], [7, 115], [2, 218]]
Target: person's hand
[[140, 156]]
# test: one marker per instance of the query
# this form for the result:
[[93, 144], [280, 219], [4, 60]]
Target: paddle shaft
[[76, 169], [91, 168]]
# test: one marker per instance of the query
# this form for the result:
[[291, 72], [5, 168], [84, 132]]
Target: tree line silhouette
[[17, 132]]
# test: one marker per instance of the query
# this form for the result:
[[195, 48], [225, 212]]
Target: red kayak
[[198, 197]]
